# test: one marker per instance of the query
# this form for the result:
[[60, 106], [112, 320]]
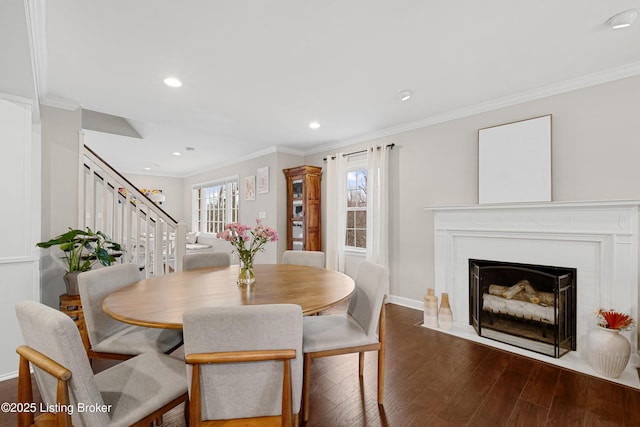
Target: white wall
[[595, 154], [173, 188], [60, 164]]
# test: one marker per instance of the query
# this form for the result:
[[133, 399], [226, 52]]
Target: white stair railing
[[111, 204]]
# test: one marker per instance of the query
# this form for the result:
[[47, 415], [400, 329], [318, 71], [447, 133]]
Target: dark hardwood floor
[[434, 379]]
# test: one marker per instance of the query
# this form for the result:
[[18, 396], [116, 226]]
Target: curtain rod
[[360, 151]]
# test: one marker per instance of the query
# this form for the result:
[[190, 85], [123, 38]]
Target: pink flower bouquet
[[246, 241]]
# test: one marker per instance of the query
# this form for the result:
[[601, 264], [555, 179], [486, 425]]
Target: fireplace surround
[[597, 239]]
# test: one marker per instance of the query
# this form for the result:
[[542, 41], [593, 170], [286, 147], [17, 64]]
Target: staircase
[[149, 236]]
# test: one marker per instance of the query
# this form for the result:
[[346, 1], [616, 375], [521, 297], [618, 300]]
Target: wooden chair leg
[[195, 408], [305, 387], [186, 412], [380, 376], [287, 404], [361, 363], [25, 392], [382, 332]]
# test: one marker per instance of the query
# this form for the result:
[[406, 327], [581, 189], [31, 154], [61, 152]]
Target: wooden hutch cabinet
[[303, 208]]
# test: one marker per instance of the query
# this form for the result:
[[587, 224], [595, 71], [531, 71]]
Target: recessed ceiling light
[[314, 125], [177, 153], [173, 82], [405, 95], [148, 168], [623, 19]]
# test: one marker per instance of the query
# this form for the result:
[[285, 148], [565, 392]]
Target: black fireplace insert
[[528, 306]]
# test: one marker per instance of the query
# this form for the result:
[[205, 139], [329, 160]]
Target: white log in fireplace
[[599, 239]]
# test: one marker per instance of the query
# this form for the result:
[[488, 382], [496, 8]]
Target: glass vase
[[246, 278]]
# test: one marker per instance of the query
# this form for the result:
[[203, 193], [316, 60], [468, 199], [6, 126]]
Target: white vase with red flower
[[607, 349], [247, 243]]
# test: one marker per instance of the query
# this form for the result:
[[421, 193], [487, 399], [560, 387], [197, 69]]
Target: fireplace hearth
[[600, 240], [525, 305]]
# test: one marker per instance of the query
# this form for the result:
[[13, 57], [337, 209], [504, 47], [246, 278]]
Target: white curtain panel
[[378, 205], [336, 212]]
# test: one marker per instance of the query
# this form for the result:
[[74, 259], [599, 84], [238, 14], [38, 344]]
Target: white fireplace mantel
[[599, 239]]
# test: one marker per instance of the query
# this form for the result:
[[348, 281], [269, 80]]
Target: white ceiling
[[255, 73]]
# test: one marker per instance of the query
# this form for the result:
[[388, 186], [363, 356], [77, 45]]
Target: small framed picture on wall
[[250, 187], [263, 180]]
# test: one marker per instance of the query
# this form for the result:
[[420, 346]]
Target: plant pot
[[71, 281], [608, 351]]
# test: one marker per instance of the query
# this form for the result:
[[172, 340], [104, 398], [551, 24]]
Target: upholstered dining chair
[[205, 260], [135, 392], [108, 337], [248, 369], [308, 258], [359, 330]]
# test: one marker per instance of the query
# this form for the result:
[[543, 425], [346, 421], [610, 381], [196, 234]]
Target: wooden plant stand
[[72, 307]]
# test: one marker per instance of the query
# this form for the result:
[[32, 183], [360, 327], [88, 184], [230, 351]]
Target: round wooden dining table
[[160, 302]]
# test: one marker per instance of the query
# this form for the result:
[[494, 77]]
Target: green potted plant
[[82, 249]]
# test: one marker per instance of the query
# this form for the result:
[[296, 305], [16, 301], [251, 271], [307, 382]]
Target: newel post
[[181, 243]]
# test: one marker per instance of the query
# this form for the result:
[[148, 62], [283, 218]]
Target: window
[[215, 205], [356, 208]]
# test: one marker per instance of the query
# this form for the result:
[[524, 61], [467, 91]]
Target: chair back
[[308, 258], [94, 286], [205, 260], [55, 335], [366, 301], [243, 390]]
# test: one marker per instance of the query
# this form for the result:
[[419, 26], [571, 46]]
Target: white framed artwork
[[263, 180], [250, 187], [514, 162]]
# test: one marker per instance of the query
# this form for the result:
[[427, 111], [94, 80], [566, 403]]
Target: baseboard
[[8, 376], [407, 302]]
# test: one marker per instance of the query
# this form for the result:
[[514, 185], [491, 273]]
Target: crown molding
[[264, 152], [606, 76], [288, 150], [37, 33], [22, 101], [330, 146], [37, 29], [255, 154], [65, 104], [160, 175], [259, 153]]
